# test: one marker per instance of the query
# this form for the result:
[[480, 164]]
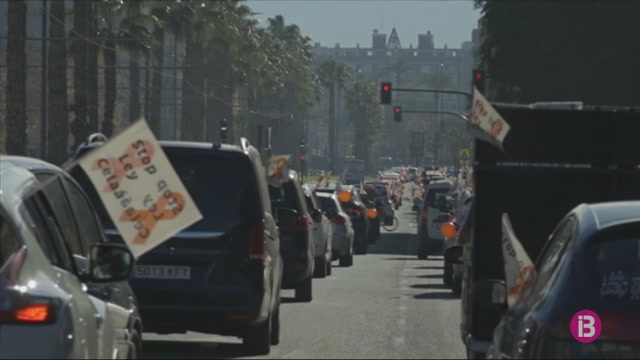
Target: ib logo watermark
[[586, 326]]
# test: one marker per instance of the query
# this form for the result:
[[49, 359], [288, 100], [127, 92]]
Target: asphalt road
[[389, 305]]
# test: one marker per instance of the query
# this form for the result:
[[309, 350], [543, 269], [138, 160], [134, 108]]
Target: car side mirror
[[316, 215], [109, 263], [490, 292], [454, 254], [286, 217]]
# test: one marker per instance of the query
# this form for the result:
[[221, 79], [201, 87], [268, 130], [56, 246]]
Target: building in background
[[417, 62]]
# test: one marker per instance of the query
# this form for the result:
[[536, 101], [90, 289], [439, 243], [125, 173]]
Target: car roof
[[607, 214], [440, 183], [184, 145], [326, 194], [17, 181]]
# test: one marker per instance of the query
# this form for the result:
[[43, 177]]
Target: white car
[[430, 239], [343, 234], [322, 236], [46, 311]]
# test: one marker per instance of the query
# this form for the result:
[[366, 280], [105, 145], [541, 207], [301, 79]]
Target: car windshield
[[327, 203], [433, 194]]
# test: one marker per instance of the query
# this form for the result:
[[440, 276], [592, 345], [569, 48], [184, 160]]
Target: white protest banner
[[277, 167], [518, 268], [142, 193], [487, 118]]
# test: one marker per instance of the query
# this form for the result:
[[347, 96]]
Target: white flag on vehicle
[[487, 118], [139, 188], [518, 267]]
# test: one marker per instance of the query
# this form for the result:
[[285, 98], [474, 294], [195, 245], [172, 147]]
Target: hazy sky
[[351, 22]]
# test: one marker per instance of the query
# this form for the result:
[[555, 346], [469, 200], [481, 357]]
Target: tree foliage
[[366, 116], [561, 50]]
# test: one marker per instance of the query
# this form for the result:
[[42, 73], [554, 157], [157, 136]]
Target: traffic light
[[224, 128], [353, 149], [302, 147], [478, 80], [385, 93], [303, 158], [397, 114]]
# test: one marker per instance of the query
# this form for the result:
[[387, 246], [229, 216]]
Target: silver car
[[45, 310], [343, 233]]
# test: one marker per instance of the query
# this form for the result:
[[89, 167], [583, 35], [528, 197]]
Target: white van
[[430, 239]]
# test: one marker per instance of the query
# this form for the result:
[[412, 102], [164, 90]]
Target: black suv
[[297, 236], [221, 275]]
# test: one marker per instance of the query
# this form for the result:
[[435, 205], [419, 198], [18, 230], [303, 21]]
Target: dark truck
[[553, 160]]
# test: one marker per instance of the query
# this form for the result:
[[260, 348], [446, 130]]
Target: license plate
[[162, 272]]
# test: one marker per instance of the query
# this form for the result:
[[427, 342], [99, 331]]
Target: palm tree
[[80, 125], [193, 83], [366, 116], [17, 77], [134, 9], [399, 66], [228, 19], [118, 29], [58, 116], [333, 75]]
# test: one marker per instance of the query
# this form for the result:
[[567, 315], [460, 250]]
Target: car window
[[431, 197], [48, 231], [552, 253], [61, 211], [309, 201], [285, 196], [327, 204], [613, 267], [9, 244], [90, 231]]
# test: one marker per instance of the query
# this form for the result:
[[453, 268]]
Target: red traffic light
[[303, 158], [478, 76], [385, 93], [397, 113]]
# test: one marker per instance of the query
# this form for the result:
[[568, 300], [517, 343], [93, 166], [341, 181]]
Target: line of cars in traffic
[[65, 267], [571, 287]]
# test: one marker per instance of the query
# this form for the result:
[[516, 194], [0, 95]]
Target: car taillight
[[338, 220], [302, 225], [423, 217], [19, 307], [617, 327], [257, 242], [29, 314]]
